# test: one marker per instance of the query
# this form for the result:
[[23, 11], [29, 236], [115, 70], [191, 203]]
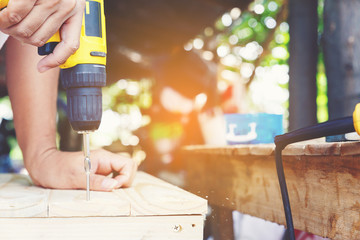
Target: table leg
[[221, 223]]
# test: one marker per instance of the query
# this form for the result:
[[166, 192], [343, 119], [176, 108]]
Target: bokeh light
[[259, 8], [226, 20], [270, 22], [235, 13]]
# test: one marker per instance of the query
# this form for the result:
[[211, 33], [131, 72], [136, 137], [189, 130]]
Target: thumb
[[102, 183]]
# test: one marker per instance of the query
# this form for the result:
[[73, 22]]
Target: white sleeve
[[3, 38]]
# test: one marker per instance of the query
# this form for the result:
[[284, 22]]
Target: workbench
[[323, 181], [150, 209]]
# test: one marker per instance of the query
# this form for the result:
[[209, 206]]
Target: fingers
[[35, 21], [102, 183], [106, 162], [126, 169], [59, 56], [70, 35], [127, 174], [15, 12], [25, 29]]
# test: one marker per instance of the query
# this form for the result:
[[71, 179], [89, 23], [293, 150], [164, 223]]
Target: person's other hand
[[35, 21], [65, 170]]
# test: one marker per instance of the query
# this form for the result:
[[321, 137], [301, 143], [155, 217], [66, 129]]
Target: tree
[[342, 55]]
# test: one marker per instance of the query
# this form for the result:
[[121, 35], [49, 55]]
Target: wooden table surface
[[323, 181], [150, 209]]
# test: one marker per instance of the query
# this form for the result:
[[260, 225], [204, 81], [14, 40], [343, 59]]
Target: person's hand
[[33, 97], [35, 21], [65, 170]]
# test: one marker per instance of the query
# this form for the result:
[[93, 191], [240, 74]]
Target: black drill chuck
[[83, 85]]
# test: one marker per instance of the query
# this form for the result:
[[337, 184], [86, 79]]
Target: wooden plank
[[91, 228], [65, 203], [14, 180], [323, 190], [168, 212], [350, 149], [294, 149], [152, 196], [148, 196], [18, 198], [323, 149], [233, 149], [315, 147], [300, 148], [262, 149]]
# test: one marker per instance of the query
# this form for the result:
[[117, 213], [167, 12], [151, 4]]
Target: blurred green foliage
[[322, 99], [252, 44], [166, 130], [265, 23], [120, 96]]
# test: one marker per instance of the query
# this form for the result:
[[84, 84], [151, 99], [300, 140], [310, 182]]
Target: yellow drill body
[[95, 43]]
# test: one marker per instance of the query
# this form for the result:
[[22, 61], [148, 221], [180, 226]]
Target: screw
[[177, 228]]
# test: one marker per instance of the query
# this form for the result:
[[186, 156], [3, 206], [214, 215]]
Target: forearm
[[33, 96]]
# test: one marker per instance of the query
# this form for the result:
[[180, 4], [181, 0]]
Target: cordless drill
[[83, 75]]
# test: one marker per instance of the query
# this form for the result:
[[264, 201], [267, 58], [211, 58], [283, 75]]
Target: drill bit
[[87, 163]]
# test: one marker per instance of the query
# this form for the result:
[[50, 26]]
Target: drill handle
[[92, 48]]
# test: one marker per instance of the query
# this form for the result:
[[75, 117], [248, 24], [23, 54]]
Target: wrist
[[51, 168], [36, 161]]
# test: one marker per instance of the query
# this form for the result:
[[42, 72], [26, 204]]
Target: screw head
[[177, 228]]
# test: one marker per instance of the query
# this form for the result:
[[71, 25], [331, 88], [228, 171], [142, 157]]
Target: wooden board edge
[[130, 228]]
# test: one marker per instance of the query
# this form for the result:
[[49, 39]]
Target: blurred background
[[174, 67]]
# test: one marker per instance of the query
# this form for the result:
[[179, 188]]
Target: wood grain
[[315, 147], [323, 183], [294, 150], [263, 149], [350, 149], [65, 203], [109, 228], [150, 195], [19, 198], [323, 149], [167, 212]]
